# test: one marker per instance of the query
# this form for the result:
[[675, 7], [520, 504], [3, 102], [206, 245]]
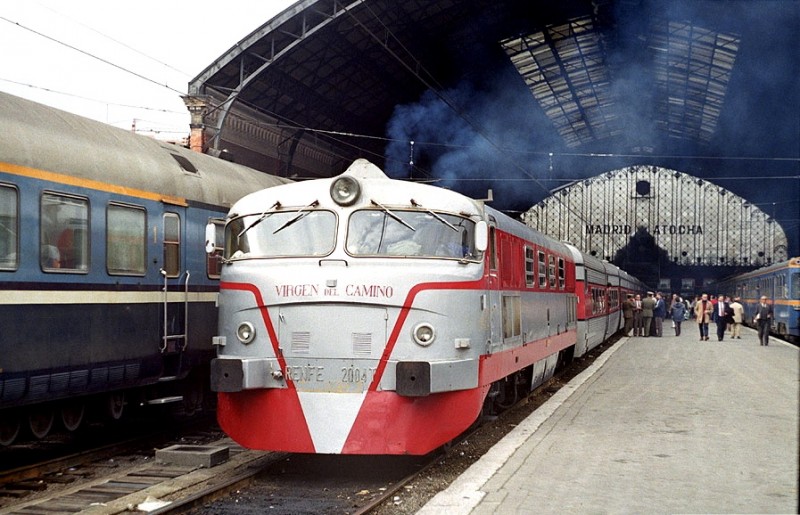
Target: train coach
[[780, 283], [108, 296], [364, 315]]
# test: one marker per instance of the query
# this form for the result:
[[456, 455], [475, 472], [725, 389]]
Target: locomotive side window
[[126, 249], [9, 228], [411, 233], [172, 244], [492, 248], [214, 258], [530, 279], [64, 235], [542, 270], [281, 234], [795, 284]]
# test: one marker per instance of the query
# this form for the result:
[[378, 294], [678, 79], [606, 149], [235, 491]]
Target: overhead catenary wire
[[92, 56]]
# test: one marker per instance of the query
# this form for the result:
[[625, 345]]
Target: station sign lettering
[[655, 230]]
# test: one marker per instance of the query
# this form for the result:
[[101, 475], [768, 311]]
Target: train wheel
[[9, 428], [72, 413], [40, 421], [115, 405]]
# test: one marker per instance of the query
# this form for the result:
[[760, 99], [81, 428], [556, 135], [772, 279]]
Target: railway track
[[126, 476]]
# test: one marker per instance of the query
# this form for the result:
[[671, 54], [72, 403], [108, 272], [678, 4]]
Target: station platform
[[655, 425]]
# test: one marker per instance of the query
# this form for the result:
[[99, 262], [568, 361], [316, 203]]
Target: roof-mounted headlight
[[345, 190]]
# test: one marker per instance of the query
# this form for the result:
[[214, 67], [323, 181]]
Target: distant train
[[781, 285], [365, 315], [108, 296]]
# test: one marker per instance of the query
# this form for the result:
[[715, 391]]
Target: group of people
[[645, 317]]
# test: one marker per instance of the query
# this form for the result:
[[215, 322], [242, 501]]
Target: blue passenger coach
[[107, 296], [781, 285]]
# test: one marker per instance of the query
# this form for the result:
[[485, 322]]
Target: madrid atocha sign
[[693, 220]]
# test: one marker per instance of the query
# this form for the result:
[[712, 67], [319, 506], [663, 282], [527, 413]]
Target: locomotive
[[780, 283], [365, 315], [108, 296]]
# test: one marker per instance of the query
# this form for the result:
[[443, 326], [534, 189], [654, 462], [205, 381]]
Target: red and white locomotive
[[365, 315]]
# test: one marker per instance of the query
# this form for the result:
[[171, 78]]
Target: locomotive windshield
[[302, 232], [411, 233]]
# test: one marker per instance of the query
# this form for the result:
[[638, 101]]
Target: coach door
[[175, 293]]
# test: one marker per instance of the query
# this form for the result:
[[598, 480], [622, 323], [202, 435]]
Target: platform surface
[[656, 425]]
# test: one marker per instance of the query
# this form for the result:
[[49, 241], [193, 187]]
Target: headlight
[[246, 332], [345, 190], [424, 334]]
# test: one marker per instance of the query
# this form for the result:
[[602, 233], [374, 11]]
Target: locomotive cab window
[[411, 234], [126, 249], [64, 235], [9, 228], [172, 244], [287, 233]]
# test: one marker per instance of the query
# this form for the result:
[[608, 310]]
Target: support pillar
[[198, 107]]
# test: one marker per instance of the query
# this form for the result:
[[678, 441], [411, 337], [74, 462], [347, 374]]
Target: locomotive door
[[175, 293], [494, 295]]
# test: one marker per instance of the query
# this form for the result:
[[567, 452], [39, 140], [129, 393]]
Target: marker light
[[424, 334], [345, 190], [246, 332]]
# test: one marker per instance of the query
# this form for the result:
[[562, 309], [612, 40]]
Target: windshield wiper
[[448, 224], [388, 212], [300, 215], [260, 219]]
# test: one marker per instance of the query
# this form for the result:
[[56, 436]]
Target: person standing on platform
[[677, 313], [702, 313], [738, 318], [763, 317], [627, 313], [637, 316], [648, 305], [659, 314], [721, 313]]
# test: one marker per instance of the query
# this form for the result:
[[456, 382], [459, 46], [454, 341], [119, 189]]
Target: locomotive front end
[[352, 316]]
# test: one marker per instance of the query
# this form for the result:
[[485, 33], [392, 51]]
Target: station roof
[[557, 84]]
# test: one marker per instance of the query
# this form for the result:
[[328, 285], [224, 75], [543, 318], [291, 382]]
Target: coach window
[[64, 235], [126, 237], [9, 228], [542, 269], [172, 244], [551, 271], [794, 292], [214, 258], [530, 263], [562, 274]]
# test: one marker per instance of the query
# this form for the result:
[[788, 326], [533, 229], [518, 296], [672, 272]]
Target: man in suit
[[648, 305], [722, 312], [627, 313], [763, 318]]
